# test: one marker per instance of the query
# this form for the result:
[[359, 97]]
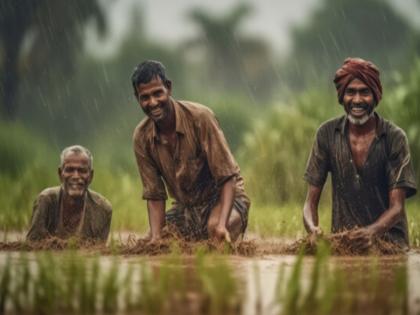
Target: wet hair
[[77, 149], [146, 72]]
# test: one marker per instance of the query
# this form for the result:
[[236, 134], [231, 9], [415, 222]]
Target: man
[[71, 209], [369, 161], [180, 146]]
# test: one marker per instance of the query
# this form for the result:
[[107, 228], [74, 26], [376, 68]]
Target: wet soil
[[339, 244]]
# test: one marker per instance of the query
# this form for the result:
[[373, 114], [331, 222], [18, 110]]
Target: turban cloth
[[357, 68]]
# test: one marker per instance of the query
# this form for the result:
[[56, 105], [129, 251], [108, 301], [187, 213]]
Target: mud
[[339, 244]]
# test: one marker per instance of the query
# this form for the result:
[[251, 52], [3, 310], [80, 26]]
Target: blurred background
[[264, 67]]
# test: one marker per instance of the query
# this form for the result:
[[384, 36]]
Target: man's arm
[[38, 229], [310, 210], [227, 196], [387, 219], [156, 210]]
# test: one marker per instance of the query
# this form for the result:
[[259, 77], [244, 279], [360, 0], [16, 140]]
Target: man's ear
[[169, 86]]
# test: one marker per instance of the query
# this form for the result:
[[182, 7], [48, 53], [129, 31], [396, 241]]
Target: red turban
[[357, 68]]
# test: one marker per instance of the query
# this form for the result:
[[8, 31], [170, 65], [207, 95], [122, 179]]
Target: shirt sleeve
[[153, 186], [103, 235], [38, 229], [400, 169], [317, 167], [221, 162]]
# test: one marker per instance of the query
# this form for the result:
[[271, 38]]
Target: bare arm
[[227, 196], [226, 200], [310, 209], [392, 214], [156, 211], [384, 222]]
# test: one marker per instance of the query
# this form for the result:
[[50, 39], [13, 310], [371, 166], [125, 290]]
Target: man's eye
[[158, 94]]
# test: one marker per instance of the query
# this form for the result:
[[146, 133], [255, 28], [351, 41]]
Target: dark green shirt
[[95, 224], [360, 196]]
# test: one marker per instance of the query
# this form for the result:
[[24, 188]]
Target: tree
[[369, 29], [37, 34], [234, 60]]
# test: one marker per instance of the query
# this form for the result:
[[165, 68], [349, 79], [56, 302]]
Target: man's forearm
[[310, 209], [156, 210], [391, 216], [227, 196]]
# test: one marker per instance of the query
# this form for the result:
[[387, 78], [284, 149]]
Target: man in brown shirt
[[180, 147], [71, 209], [369, 161]]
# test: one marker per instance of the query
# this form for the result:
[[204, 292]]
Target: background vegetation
[[269, 106]]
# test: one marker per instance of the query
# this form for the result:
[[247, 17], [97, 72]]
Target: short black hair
[[146, 72]]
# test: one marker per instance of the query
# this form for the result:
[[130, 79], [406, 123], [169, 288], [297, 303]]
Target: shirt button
[[351, 161]]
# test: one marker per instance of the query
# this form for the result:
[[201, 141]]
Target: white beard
[[360, 121]]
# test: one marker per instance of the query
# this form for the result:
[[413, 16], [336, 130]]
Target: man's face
[[154, 99], [358, 102], [75, 174]]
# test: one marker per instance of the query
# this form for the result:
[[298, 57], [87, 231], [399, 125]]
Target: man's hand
[[362, 236], [222, 234], [315, 232]]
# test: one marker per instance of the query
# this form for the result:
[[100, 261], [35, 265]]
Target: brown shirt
[[46, 220], [201, 162], [360, 196]]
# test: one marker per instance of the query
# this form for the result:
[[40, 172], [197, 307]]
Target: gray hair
[[78, 149]]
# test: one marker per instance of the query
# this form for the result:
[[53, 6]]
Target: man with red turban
[[369, 161]]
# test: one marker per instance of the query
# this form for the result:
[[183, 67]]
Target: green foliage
[[348, 28], [274, 153], [401, 105]]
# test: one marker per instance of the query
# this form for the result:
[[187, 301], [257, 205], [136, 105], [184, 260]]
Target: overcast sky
[[167, 21]]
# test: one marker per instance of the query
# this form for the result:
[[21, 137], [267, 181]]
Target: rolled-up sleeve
[[153, 186], [317, 166], [221, 162], [400, 169]]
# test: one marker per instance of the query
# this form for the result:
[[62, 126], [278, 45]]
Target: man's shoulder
[[195, 110], [392, 130], [100, 202], [331, 125], [50, 193], [142, 129]]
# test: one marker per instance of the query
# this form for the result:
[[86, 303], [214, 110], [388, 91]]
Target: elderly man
[[180, 145], [71, 209], [369, 161]]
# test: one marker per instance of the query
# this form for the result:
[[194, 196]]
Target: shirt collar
[[180, 120], [342, 125]]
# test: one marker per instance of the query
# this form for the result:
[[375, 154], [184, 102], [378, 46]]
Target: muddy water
[[258, 276]]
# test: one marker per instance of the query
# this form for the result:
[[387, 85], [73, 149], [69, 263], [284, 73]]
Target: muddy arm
[[310, 209], [156, 210], [391, 216]]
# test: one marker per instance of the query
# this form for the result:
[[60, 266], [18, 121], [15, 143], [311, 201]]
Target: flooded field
[[208, 282]]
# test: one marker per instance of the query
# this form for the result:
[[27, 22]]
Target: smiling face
[[358, 102], [154, 99], [75, 174]]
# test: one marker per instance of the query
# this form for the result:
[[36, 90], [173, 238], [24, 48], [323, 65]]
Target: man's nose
[[357, 98], [153, 101], [76, 174]]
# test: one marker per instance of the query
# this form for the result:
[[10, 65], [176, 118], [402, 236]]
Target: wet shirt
[[360, 196], [46, 219], [200, 164]]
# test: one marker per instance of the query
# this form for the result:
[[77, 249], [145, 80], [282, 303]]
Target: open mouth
[[358, 111]]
